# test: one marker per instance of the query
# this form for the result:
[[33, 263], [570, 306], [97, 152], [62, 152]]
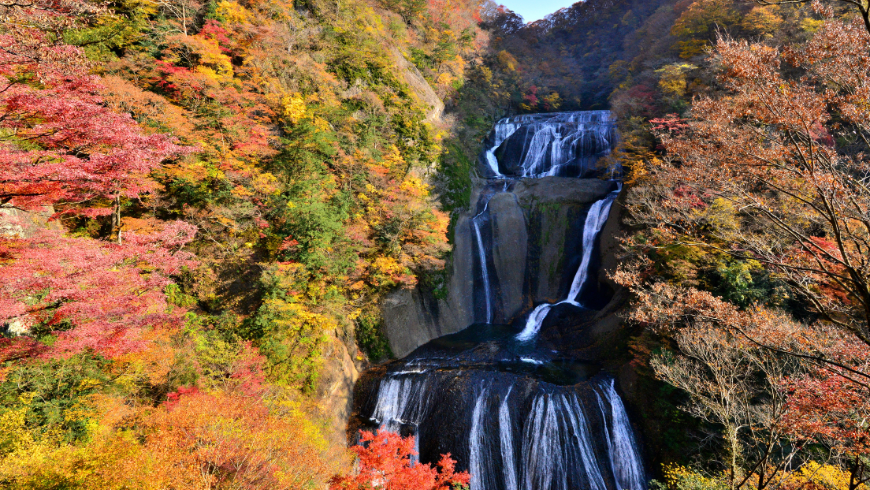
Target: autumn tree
[[733, 382], [96, 296], [861, 6], [787, 196], [47, 157], [764, 190], [385, 462]]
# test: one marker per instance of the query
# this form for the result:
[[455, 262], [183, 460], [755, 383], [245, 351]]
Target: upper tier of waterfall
[[566, 144]]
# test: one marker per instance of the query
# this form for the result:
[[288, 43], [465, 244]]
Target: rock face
[[534, 232], [335, 386], [419, 86], [16, 223]]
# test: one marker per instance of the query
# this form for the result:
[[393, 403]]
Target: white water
[[556, 440], [556, 141], [503, 130], [481, 252], [402, 401], [505, 431], [478, 462], [625, 460], [595, 220]]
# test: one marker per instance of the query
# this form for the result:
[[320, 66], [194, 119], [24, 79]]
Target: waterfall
[[625, 459], [552, 144], [557, 440], [481, 252], [534, 322], [518, 415], [402, 402], [506, 442], [595, 219], [479, 462], [502, 131]]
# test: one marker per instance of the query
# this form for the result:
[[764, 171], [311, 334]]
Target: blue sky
[[532, 10]]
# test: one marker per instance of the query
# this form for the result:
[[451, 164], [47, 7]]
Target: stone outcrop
[[17, 223], [535, 231], [420, 87]]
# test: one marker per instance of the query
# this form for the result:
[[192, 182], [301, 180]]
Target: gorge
[[506, 371]]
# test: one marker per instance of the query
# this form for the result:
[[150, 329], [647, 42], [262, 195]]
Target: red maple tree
[[385, 463], [95, 295], [59, 143]]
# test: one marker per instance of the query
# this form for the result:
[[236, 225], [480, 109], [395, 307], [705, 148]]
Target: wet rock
[[533, 232], [561, 190], [413, 317], [509, 252]]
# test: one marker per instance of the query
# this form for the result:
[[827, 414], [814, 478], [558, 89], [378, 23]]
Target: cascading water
[[483, 270], [595, 220], [515, 412], [622, 448], [557, 144]]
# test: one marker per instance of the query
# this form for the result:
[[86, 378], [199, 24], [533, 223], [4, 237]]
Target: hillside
[[191, 260], [207, 209]]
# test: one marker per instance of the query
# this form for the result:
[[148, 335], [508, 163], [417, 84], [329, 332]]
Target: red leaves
[[172, 398], [672, 123], [385, 463], [67, 145], [107, 293]]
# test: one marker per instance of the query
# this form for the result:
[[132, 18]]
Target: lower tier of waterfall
[[517, 416], [513, 432]]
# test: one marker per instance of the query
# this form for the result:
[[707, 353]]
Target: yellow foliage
[[265, 183], [684, 478], [415, 187], [384, 271], [444, 79], [294, 107], [214, 63], [692, 48], [814, 474], [672, 79], [394, 157], [762, 20], [811, 25], [703, 16], [233, 12], [507, 60]]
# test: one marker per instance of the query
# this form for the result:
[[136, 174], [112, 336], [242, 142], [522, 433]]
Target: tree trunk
[[116, 219]]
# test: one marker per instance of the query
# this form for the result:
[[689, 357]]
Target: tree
[[60, 145], [385, 463], [755, 374], [861, 6], [732, 382], [768, 151], [93, 295], [47, 157], [231, 440], [769, 181]]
